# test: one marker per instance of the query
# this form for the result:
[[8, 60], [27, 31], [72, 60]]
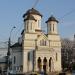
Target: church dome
[[52, 18], [32, 11], [30, 17]]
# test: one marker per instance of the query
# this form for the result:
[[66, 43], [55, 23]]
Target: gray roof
[[52, 18], [3, 60], [16, 45], [30, 17], [32, 11]]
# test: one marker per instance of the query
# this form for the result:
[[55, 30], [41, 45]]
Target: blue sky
[[11, 12]]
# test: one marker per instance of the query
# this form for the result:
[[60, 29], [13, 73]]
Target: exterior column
[[42, 64], [25, 62], [47, 65]]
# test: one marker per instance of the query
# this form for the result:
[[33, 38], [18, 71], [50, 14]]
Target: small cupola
[[52, 18], [32, 20], [52, 25]]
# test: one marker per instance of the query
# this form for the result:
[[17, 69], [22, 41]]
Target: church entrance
[[50, 64], [51, 67], [39, 64], [44, 64]]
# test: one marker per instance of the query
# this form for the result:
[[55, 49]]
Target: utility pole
[[8, 53]]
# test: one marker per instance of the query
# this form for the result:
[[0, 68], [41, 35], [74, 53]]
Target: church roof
[[52, 18], [32, 11], [16, 45], [30, 17], [3, 59]]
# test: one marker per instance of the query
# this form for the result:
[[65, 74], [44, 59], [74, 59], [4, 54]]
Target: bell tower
[[52, 25], [32, 21]]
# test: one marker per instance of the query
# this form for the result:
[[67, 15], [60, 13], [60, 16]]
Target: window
[[39, 23], [53, 27], [27, 27], [28, 55], [56, 57], [14, 59], [44, 60], [50, 27], [50, 61], [30, 24], [43, 43]]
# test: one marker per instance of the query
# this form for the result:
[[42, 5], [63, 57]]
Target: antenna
[[36, 2]]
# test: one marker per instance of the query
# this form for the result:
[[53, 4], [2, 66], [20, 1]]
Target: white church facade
[[39, 51]]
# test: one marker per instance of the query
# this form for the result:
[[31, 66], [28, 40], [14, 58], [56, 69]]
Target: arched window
[[45, 60], [50, 61], [53, 27], [39, 23], [43, 42], [56, 56], [14, 59], [50, 27], [30, 25], [39, 60], [27, 25], [28, 56]]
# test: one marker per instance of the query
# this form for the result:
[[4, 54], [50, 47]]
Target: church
[[38, 51]]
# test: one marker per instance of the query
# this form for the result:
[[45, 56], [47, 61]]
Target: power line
[[4, 42], [36, 2], [18, 30], [68, 13], [65, 15]]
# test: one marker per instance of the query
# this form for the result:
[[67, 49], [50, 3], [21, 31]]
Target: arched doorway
[[39, 64], [44, 64], [51, 65]]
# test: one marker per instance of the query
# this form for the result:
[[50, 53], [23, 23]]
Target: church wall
[[30, 36], [25, 62], [57, 64], [16, 59], [29, 43], [54, 37], [55, 43], [28, 61]]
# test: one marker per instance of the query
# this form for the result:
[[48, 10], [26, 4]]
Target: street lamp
[[8, 53], [9, 41], [10, 33]]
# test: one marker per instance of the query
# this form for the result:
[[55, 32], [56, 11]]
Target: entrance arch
[[51, 64], [39, 64], [44, 64]]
